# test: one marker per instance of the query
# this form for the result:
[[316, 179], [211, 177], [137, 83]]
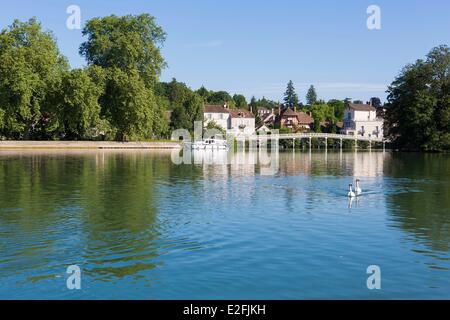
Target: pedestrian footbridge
[[310, 136]]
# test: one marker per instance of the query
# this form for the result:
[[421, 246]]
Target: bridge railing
[[309, 135]]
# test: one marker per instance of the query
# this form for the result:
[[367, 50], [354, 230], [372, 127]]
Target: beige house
[[361, 119], [234, 121]]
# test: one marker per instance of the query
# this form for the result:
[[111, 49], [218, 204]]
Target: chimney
[[295, 108], [273, 111], [225, 106]]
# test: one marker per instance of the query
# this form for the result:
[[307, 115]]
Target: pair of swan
[[358, 189]]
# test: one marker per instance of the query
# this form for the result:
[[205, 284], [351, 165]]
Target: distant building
[[234, 121], [266, 115], [361, 119], [295, 120], [263, 111], [263, 129]]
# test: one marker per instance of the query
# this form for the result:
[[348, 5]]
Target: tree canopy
[[128, 50], [418, 110], [240, 101], [31, 68], [127, 43]]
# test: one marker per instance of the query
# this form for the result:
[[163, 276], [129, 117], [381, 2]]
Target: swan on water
[[358, 189], [351, 194]]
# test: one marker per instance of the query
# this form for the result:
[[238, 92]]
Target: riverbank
[[15, 145]]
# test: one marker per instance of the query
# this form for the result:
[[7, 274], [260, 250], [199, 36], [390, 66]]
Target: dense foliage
[[31, 70], [418, 111], [112, 98]]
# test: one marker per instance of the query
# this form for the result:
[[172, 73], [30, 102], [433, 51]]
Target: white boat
[[210, 144]]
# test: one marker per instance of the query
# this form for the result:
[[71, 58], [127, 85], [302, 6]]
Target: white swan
[[358, 189], [351, 194]]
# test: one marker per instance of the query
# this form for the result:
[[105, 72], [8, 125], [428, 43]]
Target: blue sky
[[255, 47]]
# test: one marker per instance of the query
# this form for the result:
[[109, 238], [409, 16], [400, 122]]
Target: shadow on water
[[420, 203]]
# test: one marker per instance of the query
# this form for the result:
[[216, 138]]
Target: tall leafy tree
[[127, 43], [290, 97], [418, 110], [204, 93], [240, 101], [129, 104], [376, 102], [311, 96], [220, 97], [128, 48], [78, 107], [322, 112], [187, 105], [192, 110], [178, 93], [338, 108], [31, 66]]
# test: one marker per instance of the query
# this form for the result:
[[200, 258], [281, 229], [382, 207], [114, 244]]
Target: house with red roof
[[295, 120]]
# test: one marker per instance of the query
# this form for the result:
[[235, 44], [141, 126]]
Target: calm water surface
[[141, 227]]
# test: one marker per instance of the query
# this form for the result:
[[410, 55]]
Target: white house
[[361, 119], [234, 121]]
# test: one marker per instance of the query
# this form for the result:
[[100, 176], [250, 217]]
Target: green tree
[[240, 101], [290, 97], [161, 119], [129, 105], [418, 110], [253, 105], [376, 102], [186, 104], [311, 96], [220, 97], [204, 93], [128, 49], [185, 115], [323, 112], [127, 43], [78, 109], [178, 93], [338, 106], [31, 66], [194, 108], [213, 125]]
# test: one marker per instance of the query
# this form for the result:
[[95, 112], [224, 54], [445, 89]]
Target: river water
[[140, 226]]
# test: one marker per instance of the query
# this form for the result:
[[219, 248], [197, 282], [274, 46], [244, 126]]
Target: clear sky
[[255, 47]]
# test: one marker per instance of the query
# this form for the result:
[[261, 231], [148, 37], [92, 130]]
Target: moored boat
[[209, 144]]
